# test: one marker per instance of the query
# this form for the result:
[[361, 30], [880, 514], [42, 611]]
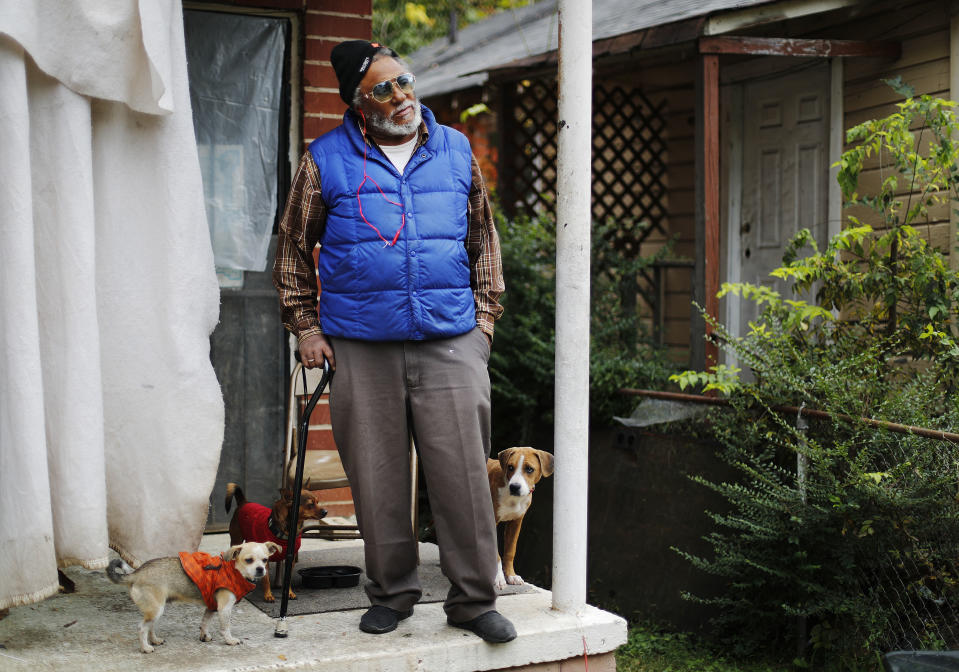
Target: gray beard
[[382, 125]]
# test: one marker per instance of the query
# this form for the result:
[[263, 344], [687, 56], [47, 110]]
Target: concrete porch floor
[[95, 628]]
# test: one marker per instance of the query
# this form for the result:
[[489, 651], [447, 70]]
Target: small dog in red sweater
[[255, 522]]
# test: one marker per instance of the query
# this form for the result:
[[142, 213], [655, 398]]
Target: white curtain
[[111, 418]]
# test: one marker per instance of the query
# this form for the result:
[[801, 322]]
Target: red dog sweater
[[211, 572], [255, 524]]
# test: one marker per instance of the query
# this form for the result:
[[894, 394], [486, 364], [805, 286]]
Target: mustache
[[403, 107]]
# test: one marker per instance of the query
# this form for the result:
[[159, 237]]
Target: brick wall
[[327, 23], [481, 129], [323, 24], [336, 501]]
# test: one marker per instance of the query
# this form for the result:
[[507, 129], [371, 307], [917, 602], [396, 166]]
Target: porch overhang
[[705, 32], [782, 46]]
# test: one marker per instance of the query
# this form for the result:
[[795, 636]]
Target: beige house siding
[[682, 216], [674, 84], [923, 31]]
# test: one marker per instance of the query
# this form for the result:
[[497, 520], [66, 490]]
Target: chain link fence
[[906, 554]]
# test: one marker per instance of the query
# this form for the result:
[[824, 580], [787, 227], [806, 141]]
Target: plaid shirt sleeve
[[482, 245], [294, 271]]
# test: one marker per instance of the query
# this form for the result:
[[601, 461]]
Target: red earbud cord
[[360, 203]]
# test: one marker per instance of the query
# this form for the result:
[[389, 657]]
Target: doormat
[[319, 600]]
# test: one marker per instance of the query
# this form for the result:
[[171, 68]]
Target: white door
[[785, 175]]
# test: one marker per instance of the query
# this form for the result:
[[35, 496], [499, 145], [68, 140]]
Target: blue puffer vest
[[419, 288]]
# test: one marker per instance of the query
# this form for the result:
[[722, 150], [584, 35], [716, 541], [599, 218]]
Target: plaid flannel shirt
[[302, 226]]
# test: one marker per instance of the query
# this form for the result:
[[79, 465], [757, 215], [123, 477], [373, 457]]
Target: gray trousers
[[438, 391]]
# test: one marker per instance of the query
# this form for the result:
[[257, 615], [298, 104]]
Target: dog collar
[[275, 529], [231, 564]]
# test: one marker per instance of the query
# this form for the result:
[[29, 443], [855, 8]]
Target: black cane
[[281, 627]]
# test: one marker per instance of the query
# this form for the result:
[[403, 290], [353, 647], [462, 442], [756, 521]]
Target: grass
[[652, 650]]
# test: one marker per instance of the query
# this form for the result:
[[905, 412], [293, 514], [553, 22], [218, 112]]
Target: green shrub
[[651, 649], [852, 529], [522, 366]]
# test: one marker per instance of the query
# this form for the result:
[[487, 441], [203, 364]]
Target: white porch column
[[573, 219]]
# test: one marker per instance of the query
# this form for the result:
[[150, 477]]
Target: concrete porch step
[[95, 628]]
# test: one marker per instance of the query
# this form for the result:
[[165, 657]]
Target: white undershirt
[[399, 155]]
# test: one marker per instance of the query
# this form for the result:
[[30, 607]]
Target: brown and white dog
[[512, 479], [255, 522]]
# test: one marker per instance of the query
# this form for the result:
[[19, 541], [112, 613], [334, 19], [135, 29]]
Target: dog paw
[[156, 640], [500, 581], [232, 641], [292, 595], [146, 649], [269, 598], [515, 580], [205, 637]]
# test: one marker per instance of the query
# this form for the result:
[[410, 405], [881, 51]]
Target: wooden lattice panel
[[629, 158], [629, 165], [532, 146]]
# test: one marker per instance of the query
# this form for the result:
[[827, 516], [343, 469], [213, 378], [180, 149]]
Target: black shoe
[[379, 619], [491, 626]]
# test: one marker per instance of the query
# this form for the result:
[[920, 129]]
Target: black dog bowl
[[330, 576]]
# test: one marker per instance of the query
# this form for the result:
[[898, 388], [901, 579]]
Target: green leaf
[[474, 111]]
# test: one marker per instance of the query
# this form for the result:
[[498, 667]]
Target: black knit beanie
[[350, 62]]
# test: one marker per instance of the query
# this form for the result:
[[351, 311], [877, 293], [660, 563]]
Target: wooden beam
[[707, 205], [711, 139], [793, 411], [782, 46], [771, 12]]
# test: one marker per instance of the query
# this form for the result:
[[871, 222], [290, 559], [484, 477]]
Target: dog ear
[[287, 495], [503, 457], [232, 552], [273, 548], [546, 462]]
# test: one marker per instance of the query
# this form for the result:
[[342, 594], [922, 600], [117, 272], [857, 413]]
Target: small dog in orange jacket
[[255, 522], [216, 581]]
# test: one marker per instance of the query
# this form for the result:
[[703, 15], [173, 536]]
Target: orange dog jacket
[[211, 572]]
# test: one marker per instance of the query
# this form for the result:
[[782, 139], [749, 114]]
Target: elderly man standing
[[410, 272]]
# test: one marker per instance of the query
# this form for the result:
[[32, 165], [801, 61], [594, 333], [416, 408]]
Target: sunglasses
[[383, 91]]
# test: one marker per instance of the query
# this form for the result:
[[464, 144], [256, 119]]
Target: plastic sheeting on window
[[235, 65]]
